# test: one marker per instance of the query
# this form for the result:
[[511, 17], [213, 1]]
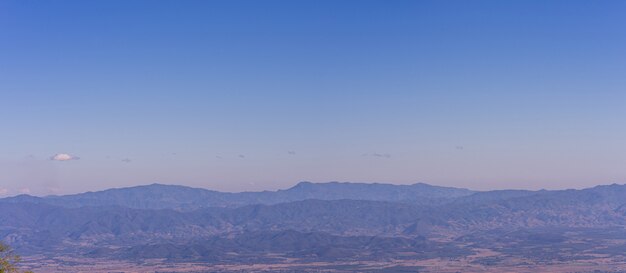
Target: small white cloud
[[64, 157], [4, 191], [25, 190], [378, 155]]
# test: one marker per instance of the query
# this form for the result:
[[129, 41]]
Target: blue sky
[[250, 95]]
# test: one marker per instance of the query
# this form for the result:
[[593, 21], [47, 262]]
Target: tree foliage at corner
[[8, 260]]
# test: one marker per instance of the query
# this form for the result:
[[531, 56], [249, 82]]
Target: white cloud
[[4, 191], [64, 157], [378, 155], [25, 190]]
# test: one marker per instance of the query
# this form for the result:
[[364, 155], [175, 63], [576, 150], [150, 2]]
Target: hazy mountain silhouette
[[330, 221], [158, 196]]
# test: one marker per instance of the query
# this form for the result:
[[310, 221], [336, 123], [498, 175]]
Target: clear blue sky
[[249, 95]]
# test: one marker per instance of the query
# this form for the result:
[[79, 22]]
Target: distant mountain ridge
[[159, 196], [330, 220]]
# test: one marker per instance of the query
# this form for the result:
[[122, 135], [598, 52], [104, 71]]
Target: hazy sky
[[250, 95]]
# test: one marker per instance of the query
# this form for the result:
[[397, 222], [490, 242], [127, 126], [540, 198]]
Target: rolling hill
[[316, 221]]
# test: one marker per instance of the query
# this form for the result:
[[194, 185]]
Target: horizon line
[[306, 182]]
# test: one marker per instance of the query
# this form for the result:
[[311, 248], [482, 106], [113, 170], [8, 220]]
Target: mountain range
[[313, 221], [158, 196]]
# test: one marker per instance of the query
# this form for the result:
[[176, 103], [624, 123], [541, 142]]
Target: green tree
[[8, 260]]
